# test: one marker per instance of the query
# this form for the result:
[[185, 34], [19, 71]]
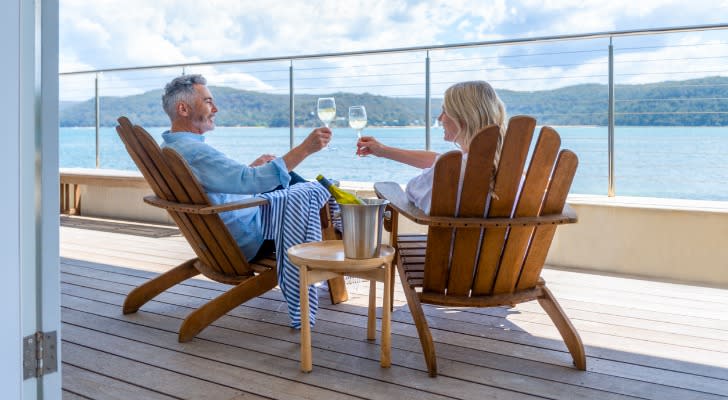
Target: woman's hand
[[367, 145]]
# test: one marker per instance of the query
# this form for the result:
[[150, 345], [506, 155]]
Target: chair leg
[[221, 305], [337, 290], [150, 289], [391, 286], [565, 327], [423, 331], [337, 286], [306, 357]]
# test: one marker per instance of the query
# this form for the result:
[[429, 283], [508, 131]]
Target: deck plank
[[357, 359], [95, 384], [68, 395], [646, 339], [273, 358], [335, 323], [207, 367], [632, 339]]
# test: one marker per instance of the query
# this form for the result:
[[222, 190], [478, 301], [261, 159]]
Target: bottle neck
[[325, 182]]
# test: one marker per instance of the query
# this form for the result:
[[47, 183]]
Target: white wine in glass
[[326, 109], [357, 119]]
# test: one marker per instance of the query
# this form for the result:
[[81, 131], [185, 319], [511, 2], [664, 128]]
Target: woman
[[467, 108]]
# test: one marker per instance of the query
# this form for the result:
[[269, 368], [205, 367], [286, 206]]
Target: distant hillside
[[665, 103], [62, 105]]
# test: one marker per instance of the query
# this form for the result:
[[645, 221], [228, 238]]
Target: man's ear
[[182, 109]]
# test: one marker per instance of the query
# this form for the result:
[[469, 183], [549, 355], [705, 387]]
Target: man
[[191, 110]]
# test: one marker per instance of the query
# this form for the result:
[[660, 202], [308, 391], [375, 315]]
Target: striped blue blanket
[[291, 218]]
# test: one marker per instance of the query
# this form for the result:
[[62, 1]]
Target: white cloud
[[114, 33], [555, 17], [233, 79]]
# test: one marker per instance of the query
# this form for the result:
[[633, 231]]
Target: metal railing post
[[98, 119], [292, 115], [427, 101], [610, 123]]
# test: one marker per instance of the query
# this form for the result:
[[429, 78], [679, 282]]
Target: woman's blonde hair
[[473, 105]]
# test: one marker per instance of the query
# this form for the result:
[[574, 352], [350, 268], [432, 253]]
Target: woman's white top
[[419, 188]]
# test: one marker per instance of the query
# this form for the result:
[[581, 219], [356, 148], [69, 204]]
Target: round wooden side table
[[320, 261]]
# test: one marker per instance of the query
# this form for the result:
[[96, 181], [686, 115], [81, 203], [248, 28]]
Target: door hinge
[[40, 354]]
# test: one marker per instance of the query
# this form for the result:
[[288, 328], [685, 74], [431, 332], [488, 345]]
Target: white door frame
[[30, 284]]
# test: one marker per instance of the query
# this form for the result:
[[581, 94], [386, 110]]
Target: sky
[[116, 34]]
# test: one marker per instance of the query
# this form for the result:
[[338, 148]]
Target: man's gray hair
[[180, 89]]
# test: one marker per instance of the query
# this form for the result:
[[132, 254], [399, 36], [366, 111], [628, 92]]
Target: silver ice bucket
[[362, 225]]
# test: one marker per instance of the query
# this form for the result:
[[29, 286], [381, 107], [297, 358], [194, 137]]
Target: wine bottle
[[341, 196]]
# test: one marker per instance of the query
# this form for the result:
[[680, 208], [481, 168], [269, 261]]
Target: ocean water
[[667, 162]]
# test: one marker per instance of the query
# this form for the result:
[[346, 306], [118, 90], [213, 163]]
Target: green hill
[[697, 102]]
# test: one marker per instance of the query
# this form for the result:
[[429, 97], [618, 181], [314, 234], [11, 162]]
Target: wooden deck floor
[[644, 339]]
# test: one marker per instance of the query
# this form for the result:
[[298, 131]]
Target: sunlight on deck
[[644, 339]]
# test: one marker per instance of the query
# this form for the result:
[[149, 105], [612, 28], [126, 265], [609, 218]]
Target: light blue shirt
[[226, 180]]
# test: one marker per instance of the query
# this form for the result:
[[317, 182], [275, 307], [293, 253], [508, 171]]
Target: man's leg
[[268, 248], [295, 178]]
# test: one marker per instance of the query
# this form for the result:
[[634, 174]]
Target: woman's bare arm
[[367, 145]]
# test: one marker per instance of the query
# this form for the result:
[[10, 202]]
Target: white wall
[[121, 202], [678, 240]]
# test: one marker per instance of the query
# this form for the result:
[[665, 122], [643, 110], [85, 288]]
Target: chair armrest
[[398, 201], [204, 209]]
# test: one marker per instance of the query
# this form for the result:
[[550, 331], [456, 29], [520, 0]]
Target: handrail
[[427, 75], [539, 39]]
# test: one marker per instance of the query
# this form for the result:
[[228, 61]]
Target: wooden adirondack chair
[[218, 255], [487, 255]]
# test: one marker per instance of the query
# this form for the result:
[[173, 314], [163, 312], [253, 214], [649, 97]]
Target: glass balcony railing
[[646, 111]]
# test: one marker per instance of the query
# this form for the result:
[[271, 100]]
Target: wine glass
[[326, 109], [357, 119]]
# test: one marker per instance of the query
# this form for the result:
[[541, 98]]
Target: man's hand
[[262, 160], [316, 140]]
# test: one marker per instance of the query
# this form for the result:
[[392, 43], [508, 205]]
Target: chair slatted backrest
[[214, 235], [482, 262], [554, 201], [172, 180], [472, 204], [510, 168]]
